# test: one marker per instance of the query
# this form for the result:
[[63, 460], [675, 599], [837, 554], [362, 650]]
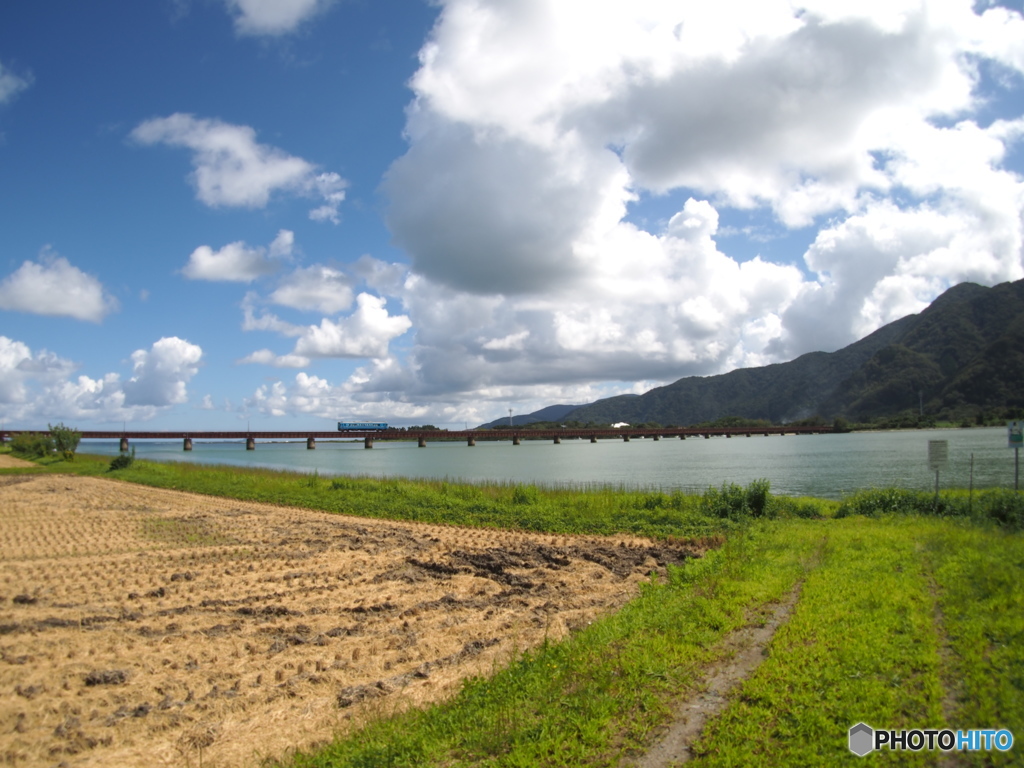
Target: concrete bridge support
[[515, 439], [625, 438], [310, 443], [124, 445], [593, 438], [682, 437], [657, 437], [558, 440], [187, 444], [367, 442], [250, 443], [422, 442], [707, 436], [470, 441]]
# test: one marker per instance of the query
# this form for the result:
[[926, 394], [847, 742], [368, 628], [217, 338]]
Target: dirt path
[[691, 714], [148, 627], [10, 462]]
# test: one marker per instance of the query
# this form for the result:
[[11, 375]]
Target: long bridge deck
[[471, 436]]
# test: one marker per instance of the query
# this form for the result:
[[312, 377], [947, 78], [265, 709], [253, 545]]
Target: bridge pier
[[682, 437], [250, 443], [707, 436], [310, 443], [187, 444], [558, 440], [367, 442], [625, 438], [124, 445], [657, 438], [422, 442], [515, 439], [729, 434], [470, 441], [593, 438]]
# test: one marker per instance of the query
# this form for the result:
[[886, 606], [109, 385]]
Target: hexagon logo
[[862, 739]]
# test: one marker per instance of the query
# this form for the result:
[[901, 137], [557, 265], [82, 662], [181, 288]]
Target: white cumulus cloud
[[53, 286], [39, 387], [317, 288], [365, 333], [233, 169], [238, 262], [160, 374]]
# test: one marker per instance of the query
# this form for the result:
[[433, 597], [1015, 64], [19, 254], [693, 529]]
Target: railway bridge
[[471, 436]]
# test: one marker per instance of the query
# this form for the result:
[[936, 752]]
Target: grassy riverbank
[[908, 613]]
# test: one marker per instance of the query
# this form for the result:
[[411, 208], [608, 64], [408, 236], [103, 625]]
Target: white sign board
[[1015, 433], [938, 454]]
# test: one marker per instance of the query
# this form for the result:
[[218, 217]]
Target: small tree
[[65, 440]]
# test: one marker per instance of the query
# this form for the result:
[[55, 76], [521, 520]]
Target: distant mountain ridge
[[550, 413], [962, 354]]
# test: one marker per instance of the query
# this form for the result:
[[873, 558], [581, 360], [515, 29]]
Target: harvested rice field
[[148, 627]]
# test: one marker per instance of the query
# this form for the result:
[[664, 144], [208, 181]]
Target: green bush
[[122, 461], [32, 445]]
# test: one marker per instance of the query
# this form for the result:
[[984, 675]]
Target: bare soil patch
[[10, 462], [148, 627]]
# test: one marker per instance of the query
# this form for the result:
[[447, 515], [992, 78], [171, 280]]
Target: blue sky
[[286, 212]]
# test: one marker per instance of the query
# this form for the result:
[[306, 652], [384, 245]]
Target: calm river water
[[827, 466]]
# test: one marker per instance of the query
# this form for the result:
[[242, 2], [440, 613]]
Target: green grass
[[908, 623], [980, 578]]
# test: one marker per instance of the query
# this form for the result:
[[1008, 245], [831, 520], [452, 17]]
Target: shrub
[[32, 445], [122, 461], [757, 498]]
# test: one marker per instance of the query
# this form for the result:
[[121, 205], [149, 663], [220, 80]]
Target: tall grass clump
[[736, 502]]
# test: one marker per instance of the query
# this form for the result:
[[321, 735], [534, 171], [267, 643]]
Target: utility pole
[[510, 417]]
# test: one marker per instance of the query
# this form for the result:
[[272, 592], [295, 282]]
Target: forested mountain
[[962, 355]]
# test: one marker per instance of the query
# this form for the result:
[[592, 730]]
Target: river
[[827, 466]]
